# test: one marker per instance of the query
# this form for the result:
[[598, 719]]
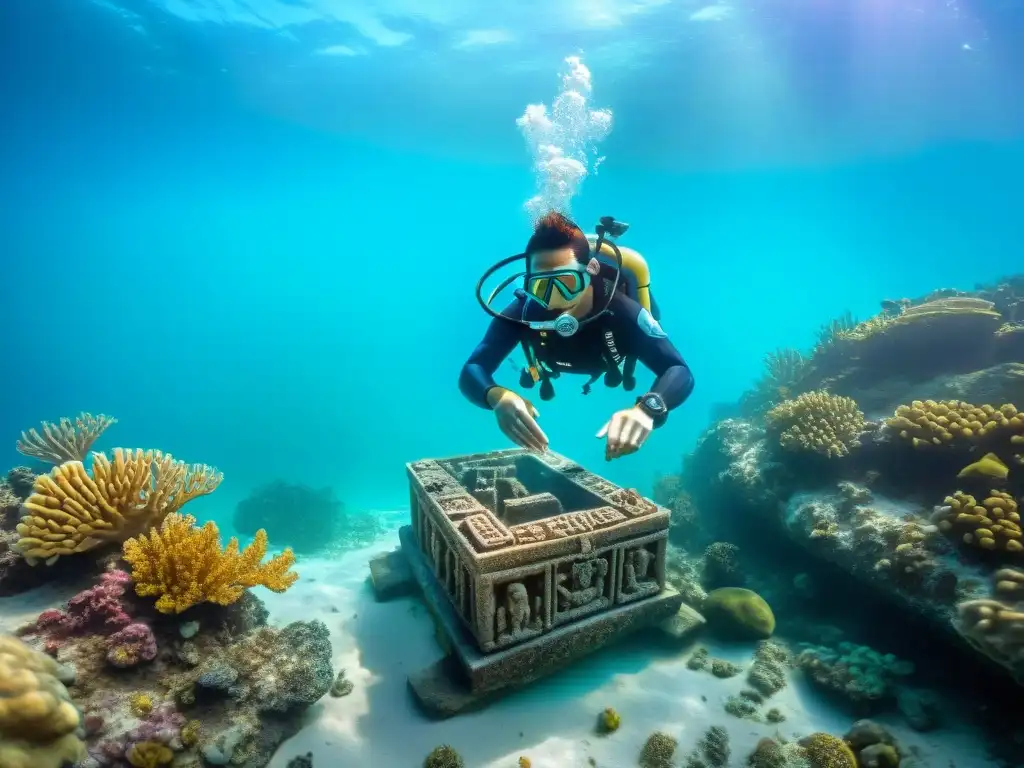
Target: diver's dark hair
[[555, 230]]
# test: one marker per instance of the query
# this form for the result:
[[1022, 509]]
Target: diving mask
[[569, 284]]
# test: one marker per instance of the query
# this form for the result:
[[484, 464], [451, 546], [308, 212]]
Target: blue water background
[[266, 263]]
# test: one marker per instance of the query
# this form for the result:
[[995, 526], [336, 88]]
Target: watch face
[[653, 403]]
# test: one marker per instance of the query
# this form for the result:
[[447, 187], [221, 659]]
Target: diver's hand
[[517, 419], [627, 430]]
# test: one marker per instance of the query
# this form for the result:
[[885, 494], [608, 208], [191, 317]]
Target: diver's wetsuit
[[621, 334]]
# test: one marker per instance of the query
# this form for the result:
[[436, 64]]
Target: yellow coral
[[71, 511], [190, 733], [37, 719], [140, 704], [824, 750], [989, 465], [949, 422], [993, 524], [818, 421], [608, 721], [184, 565], [150, 754], [65, 441]]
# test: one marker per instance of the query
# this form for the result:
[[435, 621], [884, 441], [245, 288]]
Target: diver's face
[[548, 261]]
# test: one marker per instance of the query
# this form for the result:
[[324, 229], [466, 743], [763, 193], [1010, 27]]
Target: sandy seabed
[[551, 722]]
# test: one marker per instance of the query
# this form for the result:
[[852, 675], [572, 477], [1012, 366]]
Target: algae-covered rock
[[737, 613]]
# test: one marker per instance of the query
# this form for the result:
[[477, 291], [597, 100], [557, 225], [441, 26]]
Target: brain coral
[[37, 719], [817, 421]]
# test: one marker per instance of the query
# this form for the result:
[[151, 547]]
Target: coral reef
[[66, 440], [309, 520], [856, 673], [992, 524], [817, 421], [608, 721], [38, 722], [183, 565], [768, 672], [72, 511]]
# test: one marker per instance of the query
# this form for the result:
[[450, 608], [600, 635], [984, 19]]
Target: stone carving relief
[[519, 616], [485, 532], [632, 503], [570, 524], [584, 583], [638, 577]]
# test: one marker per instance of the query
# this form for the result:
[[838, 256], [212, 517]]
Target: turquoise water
[[262, 257]]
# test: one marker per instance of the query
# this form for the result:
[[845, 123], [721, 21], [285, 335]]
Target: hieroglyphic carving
[[597, 485], [486, 533], [570, 525], [632, 503], [638, 578], [567, 525], [457, 507]]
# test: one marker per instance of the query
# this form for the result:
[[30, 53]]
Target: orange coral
[[184, 565]]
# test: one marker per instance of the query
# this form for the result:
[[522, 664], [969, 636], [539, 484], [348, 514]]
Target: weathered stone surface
[[469, 678], [390, 576], [685, 623]]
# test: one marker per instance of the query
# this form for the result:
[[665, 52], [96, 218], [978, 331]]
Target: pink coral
[[97, 610], [132, 645]]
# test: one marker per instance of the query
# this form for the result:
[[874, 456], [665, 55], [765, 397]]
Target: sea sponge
[[827, 751], [184, 565], [72, 511], [817, 421], [37, 719], [993, 524], [768, 672], [928, 423], [658, 750], [444, 757], [65, 441], [738, 613], [608, 721]]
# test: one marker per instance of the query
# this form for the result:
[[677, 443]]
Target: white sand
[[550, 722]]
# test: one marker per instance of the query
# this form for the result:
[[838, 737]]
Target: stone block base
[[467, 678], [390, 576]]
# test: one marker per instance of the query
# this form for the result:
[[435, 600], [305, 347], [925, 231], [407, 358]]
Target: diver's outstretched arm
[[656, 351], [477, 377]]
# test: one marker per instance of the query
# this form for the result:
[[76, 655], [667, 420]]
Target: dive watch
[[654, 406]]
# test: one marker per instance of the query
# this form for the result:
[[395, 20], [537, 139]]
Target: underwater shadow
[[519, 720]]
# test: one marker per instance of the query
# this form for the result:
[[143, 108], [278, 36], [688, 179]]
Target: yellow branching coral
[[66, 440], [992, 524], [953, 422], [71, 511], [819, 422], [184, 565], [37, 719]]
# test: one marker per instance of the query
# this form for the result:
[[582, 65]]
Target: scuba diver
[[577, 313]]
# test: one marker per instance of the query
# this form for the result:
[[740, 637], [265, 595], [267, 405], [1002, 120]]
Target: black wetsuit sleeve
[[477, 375], [674, 380]]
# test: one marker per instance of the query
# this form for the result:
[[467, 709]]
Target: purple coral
[[162, 725], [132, 645], [97, 610]]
